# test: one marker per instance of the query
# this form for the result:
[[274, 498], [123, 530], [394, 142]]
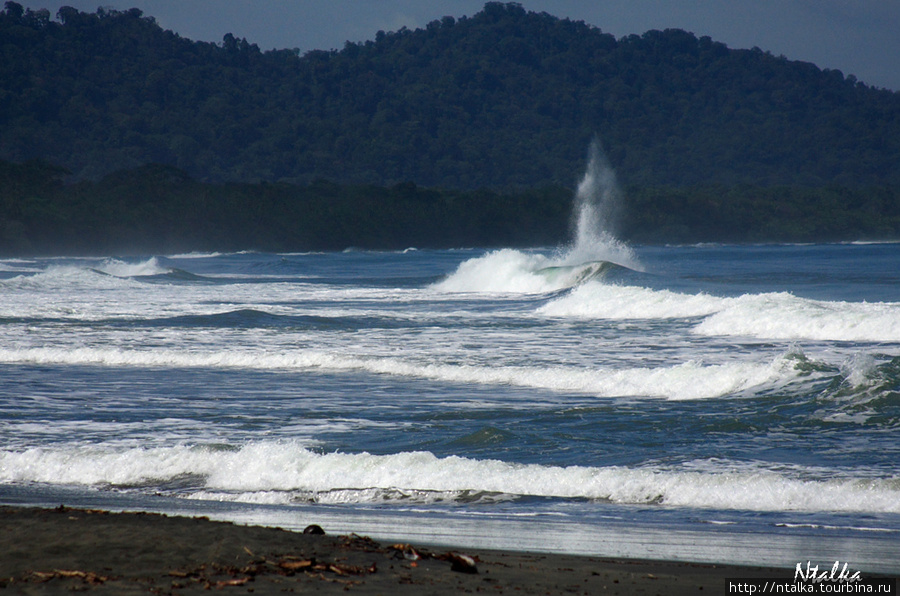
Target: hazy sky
[[859, 37]]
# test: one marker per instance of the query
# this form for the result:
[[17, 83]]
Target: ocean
[[709, 403], [716, 403]]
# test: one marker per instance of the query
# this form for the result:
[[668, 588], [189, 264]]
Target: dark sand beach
[[50, 551]]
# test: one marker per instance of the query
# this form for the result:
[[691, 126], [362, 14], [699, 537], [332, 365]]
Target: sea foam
[[120, 268], [774, 315], [684, 381], [618, 302], [272, 471], [784, 316], [504, 270]]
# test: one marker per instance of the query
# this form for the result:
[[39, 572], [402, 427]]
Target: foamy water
[[287, 472], [691, 380], [766, 316], [685, 388]]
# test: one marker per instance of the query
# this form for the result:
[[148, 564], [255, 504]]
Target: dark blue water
[[712, 403]]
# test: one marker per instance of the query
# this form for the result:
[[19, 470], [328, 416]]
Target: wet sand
[[51, 551]]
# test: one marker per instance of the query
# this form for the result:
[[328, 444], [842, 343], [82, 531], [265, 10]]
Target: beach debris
[[314, 529], [342, 569], [458, 561], [292, 565], [342, 566], [355, 541], [405, 551], [238, 581], [89, 577], [461, 563], [206, 575], [296, 565]]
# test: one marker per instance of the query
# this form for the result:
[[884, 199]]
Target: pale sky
[[859, 37]]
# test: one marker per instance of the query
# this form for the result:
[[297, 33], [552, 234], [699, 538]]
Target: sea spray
[[594, 245], [597, 204], [120, 268]]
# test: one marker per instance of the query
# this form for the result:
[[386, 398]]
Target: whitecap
[[685, 381], [267, 471], [119, 268]]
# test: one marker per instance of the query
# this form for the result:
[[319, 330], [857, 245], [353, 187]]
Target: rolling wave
[[784, 316], [272, 471], [119, 268], [778, 315], [68, 277], [246, 318], [107, 273], [513, 271], [180, 275], [198, 255], [686, 381], [589, 295]]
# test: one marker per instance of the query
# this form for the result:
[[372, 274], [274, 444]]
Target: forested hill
[[505, 98]]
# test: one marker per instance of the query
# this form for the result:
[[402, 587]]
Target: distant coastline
[[158, 209]]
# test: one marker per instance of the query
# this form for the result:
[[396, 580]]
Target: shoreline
[[45, 551]]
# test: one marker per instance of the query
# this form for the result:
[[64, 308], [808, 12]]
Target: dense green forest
[[503, 99], [157, 209], [118, 137]]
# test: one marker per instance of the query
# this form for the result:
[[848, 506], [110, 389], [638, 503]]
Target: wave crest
[[775, 315], [289, 471], [686, 381], [515, 272]]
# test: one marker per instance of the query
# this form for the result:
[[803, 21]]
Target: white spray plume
[[597, 202]]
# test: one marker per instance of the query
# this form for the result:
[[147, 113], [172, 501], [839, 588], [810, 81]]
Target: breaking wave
[[594, 249], [686, 381], [512, 271], [119, 268], [777, 315], [109, 273], [289, 472]]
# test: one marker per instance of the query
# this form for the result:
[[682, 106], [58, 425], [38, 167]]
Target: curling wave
[[517, 272]]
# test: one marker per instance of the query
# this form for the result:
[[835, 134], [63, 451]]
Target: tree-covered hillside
[[503, 99]]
